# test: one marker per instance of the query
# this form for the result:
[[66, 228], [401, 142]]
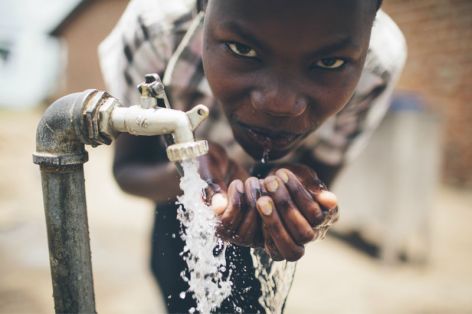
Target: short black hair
[[202, 3]]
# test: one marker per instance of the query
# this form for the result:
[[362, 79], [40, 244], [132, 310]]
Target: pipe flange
[[183, 151], [60, 160]]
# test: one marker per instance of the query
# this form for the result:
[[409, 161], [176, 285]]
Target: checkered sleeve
[[142, 42], [342, 137]]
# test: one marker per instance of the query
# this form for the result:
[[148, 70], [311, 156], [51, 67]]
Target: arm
[[141, 168]]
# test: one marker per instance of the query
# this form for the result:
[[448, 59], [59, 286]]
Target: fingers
[[214, 188], [231, 215], [329, 203], [326, 199], [275, 230], [301, 197], [297, 225], [218, 204], [250, 225], [317, 204], [270, 247], [240, 222]]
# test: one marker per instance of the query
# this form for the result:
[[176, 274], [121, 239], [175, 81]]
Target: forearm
[[158, 182], [141, 168]]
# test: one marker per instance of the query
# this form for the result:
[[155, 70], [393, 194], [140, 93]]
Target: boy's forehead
[[262, 8], [276, 18]]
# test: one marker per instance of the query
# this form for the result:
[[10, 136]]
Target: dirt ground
[[331, 278]]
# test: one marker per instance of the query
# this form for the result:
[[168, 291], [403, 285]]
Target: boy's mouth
[[268, 139]]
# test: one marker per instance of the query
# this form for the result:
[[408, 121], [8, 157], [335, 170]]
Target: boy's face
[[279, 68]]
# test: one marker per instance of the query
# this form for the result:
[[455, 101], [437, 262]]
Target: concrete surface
[[331, 278]]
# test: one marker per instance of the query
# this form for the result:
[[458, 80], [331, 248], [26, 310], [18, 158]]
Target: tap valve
[[151, 90]]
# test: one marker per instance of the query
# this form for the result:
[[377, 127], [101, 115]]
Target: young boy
[[272, 72]]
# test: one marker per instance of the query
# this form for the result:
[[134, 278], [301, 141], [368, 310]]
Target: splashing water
[[265, 155], [199, 223]]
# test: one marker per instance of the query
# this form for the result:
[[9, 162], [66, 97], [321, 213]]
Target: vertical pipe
[[68, 237], [60, 153]]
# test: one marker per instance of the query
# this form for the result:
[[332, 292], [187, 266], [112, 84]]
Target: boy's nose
[[279, 102]]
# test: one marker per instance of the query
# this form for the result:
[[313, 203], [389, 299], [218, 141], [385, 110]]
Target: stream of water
[[205, 277]]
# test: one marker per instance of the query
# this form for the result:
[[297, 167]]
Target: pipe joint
[[59, 136]]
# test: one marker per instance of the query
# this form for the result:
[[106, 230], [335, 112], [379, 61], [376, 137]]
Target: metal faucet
[[93, 118], [148, 118]]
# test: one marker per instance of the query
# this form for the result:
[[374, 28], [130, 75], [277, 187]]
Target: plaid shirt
[[165, 36]]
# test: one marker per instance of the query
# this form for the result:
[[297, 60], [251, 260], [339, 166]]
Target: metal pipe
[[60, 153], [92, 117], [68, 238]]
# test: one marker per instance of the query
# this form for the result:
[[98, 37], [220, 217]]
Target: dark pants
[[167, 266]]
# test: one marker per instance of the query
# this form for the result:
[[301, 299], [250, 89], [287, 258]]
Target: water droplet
[[182, 295], [173, 235], [265, 156], [192, 310]]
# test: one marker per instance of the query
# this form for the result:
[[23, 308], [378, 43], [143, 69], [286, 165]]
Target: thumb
[[327, 199], [218, 204]]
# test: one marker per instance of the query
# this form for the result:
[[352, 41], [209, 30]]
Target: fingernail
[[219, 203], [328, 199], [283, 175], [255, 187], [253, 183], [266, 207], [239, 187], [272, 185]]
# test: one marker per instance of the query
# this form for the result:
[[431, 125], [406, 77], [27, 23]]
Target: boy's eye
[[242, 50], [330, 63]]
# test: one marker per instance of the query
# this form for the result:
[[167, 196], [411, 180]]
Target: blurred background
[[403, 245]]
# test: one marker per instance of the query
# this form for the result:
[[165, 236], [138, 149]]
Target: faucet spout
[[159, 121]]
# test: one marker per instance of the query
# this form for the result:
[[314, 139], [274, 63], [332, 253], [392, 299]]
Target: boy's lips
[[270, 139]]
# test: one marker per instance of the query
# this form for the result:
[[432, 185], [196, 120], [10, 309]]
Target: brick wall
[[83, 34], [439, 36]]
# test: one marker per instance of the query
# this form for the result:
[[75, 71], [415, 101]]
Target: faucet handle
[[151, 89], [197, 114], [155, 85]]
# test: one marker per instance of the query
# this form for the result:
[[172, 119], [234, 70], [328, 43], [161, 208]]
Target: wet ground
[[331, 278]]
